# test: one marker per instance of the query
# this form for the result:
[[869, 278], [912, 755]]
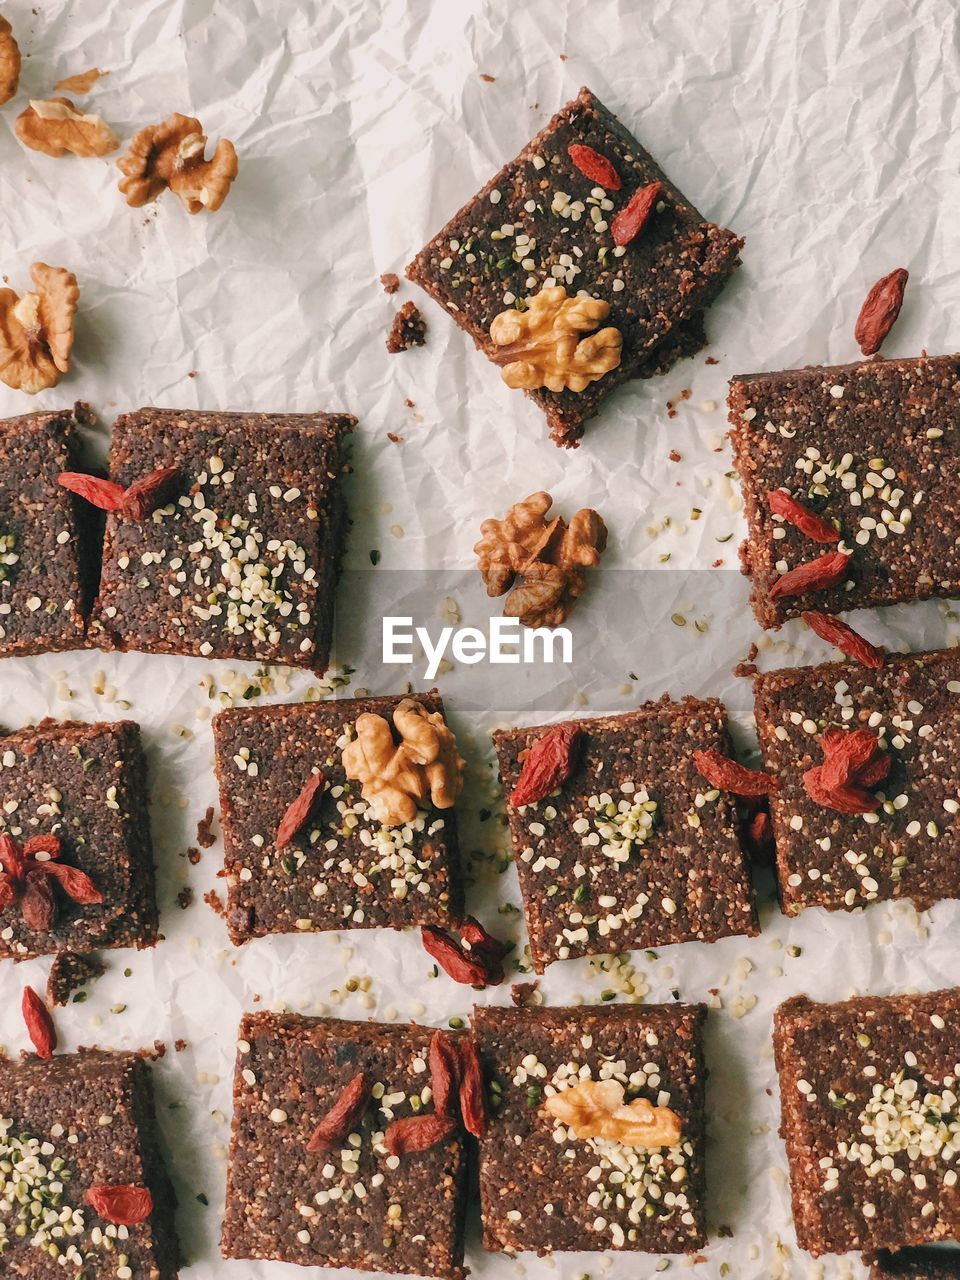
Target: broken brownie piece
[[68, 973], [869, 1115], [239, 558], [349, 864], [596, 1131], [409, 329], [75, 847], [344, 1201], [871, 449], [632, 848], [78, 1132], [902, 838], [566, 215]]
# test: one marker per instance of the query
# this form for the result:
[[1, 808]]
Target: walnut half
[[9, 62], [36, 331], [54, 126], [171, 155], [595, 1109], [544, 346]]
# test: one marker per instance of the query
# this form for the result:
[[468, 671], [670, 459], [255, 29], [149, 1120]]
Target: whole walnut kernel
[[595, 1109], [54, 126], [9, 62], [36, 331], [507, 546], [544, 346], [171, 155]]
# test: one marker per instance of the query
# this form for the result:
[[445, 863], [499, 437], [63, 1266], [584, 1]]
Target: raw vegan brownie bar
[[240, 557], [568, 213], [75, 848], [915, 1264], [870, 448], [596, 1132], [78, 1133], [343, 868], [870, 1118], [634, 849], [905, 843], [353, 1205], [41, 577]]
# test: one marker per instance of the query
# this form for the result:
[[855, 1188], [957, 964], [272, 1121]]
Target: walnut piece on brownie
[[562, 214], [870, 1119], [547, 1182]]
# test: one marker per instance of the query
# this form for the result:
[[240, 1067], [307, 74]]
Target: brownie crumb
[[68, 973], [674, 456], [214, 901], [409, 329], [390, 281], [205, 837], [179, 1045], [193, 856], [488, 79], [185, 897], [525, 994], [711, 360]]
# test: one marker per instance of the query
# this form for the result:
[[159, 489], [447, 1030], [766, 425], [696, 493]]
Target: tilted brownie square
[[344, 869], [635, 849], [77, 858], [870, 448], [543, 220], [355, 1205], [42, 585], [241, 559], [868, 1097], [78, 1134], [550, 1181], [908, 844]]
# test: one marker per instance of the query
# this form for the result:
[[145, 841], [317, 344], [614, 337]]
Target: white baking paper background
[[824, 132]]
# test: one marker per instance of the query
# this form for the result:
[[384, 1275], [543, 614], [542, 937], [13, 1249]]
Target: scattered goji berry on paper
[[40, 1028], [880, 310], [843, 636]]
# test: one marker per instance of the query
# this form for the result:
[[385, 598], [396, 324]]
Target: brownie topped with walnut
[[576, 263]]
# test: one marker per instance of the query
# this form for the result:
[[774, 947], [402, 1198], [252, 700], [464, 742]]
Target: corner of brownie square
[[908, 844], [72, 1129], [914, 1264], [343, 869], [870, 448], [869, 1111], [545, 221], [240, 558], [355, 1205], [75, 847], [548, 1179], [634, 849], [42, 533]]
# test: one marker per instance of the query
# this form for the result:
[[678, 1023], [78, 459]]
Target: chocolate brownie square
[[344, 869], [872, 448], [915, 1264], [635, 849], [542, 1186], [543, 220], [868, 1096], [356, 1205], [241, 559], [75, 840], [908, 846], [42, 575], [73, 1132]]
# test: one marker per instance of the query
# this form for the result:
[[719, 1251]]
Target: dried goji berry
[[880, 310], [143, 497], [807, 521], [37, 905], [76, 884], [473, 1107], [123, 1205], [852, 755], [343, 1117], [816, 575], [473, 971], [759, 837], [48, 844], [444, 1064], [594, 166], [104, 494], [548, 764], [484, 947], [40, 1026], [10, 856], [635, 215], [720, 771], [299, 810], [417, 1133], [846, 798], [848, 641]]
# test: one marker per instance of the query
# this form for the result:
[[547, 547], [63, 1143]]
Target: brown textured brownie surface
[[344, 870], [870, 1118], [544, 1194], [41, 592], [242, 560], [910, 848], [587, 891], [355, 1206], [85, 784], [915, 1264], [873, 447], [498, 249], [93, 1112]]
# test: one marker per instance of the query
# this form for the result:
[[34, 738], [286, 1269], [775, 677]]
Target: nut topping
[[544, 347], [9, 62], [172, 155], [595, 1109], [54, 126], [394, 778], [36, 331]]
